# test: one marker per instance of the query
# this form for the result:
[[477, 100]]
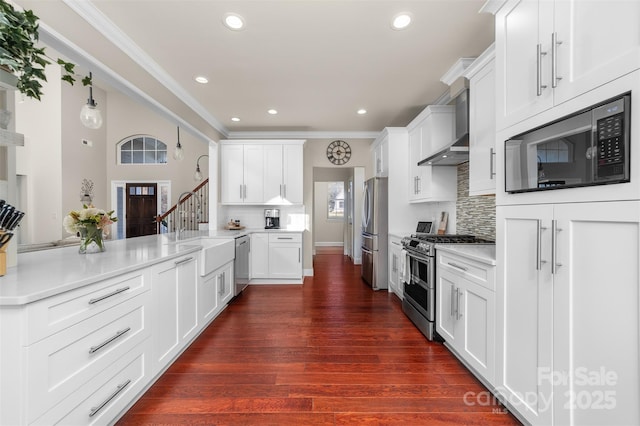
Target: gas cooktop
[[425, 243]]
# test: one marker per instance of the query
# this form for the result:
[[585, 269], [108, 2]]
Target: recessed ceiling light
[[401, 21], [272, 111], [362, 111], [202, 79], [235, 119], [233, 21]]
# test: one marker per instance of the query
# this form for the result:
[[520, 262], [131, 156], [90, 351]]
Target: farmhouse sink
[[215, 253]]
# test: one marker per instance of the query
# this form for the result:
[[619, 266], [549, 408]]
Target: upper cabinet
[[380, 156], [482, 124], [261, 172], [432, 129], [549, 52]]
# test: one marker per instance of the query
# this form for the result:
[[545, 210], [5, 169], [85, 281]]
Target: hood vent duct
[[457, 151]]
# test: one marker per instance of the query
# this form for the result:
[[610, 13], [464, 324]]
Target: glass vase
[[91, 239]]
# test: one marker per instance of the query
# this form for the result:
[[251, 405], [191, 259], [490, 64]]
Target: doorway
[[142, 208], [121, 194]]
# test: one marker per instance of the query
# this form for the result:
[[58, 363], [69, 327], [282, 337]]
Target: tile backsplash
[[475, 215]]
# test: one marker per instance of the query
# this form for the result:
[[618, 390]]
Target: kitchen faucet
[[181, 210]]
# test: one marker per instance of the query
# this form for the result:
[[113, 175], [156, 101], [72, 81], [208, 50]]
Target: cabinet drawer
[[56, 313], [473, 271], [102, 399], [62, 363], [285, 238]]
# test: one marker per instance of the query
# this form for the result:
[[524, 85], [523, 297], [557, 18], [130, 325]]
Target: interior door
[[142, 209]]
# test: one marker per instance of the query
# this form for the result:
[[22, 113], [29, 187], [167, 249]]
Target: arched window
[[142, 149]]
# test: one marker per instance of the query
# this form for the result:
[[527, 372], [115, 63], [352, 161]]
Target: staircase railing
[[189, 213]]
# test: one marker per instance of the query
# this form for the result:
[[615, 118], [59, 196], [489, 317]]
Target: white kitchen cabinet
[[261, 172], [380, 157], [259, 255], [465, 311], [175, 291], [431, 130], [242, 173], [284, 173], [569, 276], [395, 263], [276, 257], [285, 256], [482, 124], [549, 52], [225, 278]]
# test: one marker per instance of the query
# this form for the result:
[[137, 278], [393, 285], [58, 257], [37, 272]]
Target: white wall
[[327, 232]]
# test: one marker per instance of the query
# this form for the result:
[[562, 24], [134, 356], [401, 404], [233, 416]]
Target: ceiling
[[315, 61]]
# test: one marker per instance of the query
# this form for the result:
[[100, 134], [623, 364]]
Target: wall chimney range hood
[[458, 151]]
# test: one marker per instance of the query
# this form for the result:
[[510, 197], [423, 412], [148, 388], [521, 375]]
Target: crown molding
[[94, 17], [303, 135], [456, 70]]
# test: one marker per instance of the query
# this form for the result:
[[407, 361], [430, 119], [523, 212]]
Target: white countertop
[[485, 253], [45, 273]]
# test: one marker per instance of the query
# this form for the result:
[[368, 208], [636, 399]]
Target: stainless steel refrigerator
[[374, 233]]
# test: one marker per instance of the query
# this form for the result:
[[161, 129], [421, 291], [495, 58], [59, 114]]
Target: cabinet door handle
[[539, 55], [285, 238], [119, 389], [539, 229], [299, 254], [106, 296], [245, 191], [459, 294], [455, 265], [453, 301], [94, 349], [180, 262], [241, 197], [492, 157], [281, 191], [554, 59], [284, 187], [554, 246]]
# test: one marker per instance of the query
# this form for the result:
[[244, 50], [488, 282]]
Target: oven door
[[420, 290]]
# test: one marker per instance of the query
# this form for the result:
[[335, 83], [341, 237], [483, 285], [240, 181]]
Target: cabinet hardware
[[492, 156], [462, 268], [554, 59], [180, 262], [118, 334], [245, 191], [106, 296], [244, 242], [419, 184], [453, 298], [539, 55], [241, 197], [539, 229], [281, 191], [458, 296], [285, 238], [119, 389], [554, 246], [299, 254], [284, 187], [223, 282]]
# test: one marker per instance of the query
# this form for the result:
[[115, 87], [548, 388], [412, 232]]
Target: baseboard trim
[[329, 244], [308, 272]]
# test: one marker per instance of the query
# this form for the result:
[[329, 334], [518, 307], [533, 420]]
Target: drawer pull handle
[[119, 389], [106, 296], [462, 268], [95, 349], [179, 262], [285, 238]]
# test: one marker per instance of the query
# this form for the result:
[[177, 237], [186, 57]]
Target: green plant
[[20, 54]]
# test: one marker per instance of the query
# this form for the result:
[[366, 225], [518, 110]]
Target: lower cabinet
[[175, 307], [215, 290], [395, 267], [465, 311], [276, 256]]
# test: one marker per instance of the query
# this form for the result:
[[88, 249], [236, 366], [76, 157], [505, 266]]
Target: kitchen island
[[83, 336]]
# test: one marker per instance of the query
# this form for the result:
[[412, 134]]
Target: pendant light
[[178, 152], [90, 116], [197, 176]]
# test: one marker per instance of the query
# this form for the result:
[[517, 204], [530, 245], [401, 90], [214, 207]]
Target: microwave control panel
[[611, 147]]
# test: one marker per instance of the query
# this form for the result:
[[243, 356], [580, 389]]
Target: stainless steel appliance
[[588, 148], [271, 219], [241, 263], [374, 233], [419, 303]]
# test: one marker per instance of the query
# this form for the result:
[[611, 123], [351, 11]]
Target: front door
[[141, 209]]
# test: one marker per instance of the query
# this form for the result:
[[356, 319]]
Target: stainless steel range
[[419, 277]]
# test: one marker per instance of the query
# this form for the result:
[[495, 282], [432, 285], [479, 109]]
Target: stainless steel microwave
[[590, 147]]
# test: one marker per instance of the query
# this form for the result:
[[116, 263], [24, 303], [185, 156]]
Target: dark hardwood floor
[[330, 352]]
